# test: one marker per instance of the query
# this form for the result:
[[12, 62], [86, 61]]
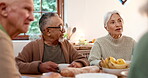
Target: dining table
[[31, 75], [40, 76]]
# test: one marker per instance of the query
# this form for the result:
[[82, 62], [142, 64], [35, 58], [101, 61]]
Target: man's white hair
[[108, 16]]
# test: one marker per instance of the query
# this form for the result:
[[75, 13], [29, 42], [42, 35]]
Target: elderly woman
[[114, 44]]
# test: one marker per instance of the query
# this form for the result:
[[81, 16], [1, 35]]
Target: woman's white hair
[[108, 16]]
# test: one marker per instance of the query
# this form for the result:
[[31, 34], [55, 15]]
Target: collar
[[114, 40], [2, 28]]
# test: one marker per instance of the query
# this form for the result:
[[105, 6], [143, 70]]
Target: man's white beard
[[61, 39]]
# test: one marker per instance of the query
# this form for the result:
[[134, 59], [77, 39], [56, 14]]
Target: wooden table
[[39, 76], [30, 75]]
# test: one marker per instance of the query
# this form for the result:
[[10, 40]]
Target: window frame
[[60, 12]]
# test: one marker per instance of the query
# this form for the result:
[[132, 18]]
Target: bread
[[71, 72], [52, 75]]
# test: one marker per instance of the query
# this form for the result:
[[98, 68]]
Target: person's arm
[[95, 54], [25, 60], [134, 44], [138, 67], [7, 62], [48, 66]]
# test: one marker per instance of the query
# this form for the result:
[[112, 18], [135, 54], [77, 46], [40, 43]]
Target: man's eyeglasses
[[60, 27]]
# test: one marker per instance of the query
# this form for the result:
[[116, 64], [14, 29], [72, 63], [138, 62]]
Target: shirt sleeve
[[25, 60], [95, 54]]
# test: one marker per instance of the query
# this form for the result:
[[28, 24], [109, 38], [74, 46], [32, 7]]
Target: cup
[[62, 66]]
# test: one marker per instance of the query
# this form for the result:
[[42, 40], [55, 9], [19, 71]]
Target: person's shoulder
[[35, 42], [5, 36], [2, 34], [100, 39], [127, 37], [65, 41]]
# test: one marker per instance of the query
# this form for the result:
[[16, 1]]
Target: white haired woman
[[114, 44]]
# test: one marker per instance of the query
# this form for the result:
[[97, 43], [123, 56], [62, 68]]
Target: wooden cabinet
[[85, 53], [84, 50]]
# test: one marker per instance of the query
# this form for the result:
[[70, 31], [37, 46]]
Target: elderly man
[[11, 26], [44, 55]]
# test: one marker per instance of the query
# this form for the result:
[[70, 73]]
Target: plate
[[124, 73], [115, 71], [95, 75]]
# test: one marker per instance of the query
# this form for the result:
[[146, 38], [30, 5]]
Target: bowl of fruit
[[113, 66]]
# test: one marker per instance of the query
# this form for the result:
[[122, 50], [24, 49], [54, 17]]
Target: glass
[[60, 27]]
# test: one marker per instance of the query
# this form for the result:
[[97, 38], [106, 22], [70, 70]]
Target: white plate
[[68, 77], [95, 75], [124, 73], [115, 71], [62, 66]]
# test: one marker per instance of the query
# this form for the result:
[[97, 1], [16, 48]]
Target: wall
[[18, 45], [87, 16]]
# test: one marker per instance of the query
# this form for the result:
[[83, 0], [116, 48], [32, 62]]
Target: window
[[40, 7]]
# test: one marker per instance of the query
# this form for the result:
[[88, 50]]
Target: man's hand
[[76, 64], [48, 67]]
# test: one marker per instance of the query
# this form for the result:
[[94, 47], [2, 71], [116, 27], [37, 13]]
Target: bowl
[[124, 73], [115, 71], [62, 66], [95, 75], [50, 75]]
